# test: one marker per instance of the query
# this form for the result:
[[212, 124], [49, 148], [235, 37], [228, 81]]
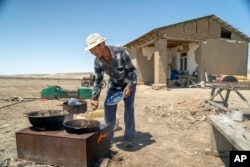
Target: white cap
[[93, 40]]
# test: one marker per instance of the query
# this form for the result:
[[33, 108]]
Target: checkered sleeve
[[132, 76], [99, 73]]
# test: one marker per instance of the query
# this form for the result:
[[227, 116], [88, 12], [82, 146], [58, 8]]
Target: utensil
[[90, 118]]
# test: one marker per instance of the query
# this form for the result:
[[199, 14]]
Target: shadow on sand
[[142, 139]]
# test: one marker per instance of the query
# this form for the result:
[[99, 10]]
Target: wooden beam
[[242, 97], [231, 85], [219, 106], [146, 43], [218, 92]]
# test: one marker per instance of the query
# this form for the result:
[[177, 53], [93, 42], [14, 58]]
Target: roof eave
[[209, 16]]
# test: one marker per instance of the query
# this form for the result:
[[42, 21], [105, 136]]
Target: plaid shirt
[[120, 70]]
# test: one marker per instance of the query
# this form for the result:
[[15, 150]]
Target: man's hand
[[94, 104], [127, 91]]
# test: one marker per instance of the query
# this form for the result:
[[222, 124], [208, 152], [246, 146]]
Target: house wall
[[173, 60], [147, 65], [160, 60], [134, 55], [198, 57], [192, 64], [215, 55], [144, 65], [227, 57], [197, 30]]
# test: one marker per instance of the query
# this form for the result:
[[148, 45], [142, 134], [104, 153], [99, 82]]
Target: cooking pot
[[75, 109], [47, 119], [80, 126]]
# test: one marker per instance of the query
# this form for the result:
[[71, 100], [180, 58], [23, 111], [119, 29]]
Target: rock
[[201, 118], [193, 112], [191, 119]]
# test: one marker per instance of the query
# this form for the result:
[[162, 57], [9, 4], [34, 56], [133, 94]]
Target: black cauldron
[[47, 119], [75, 109]]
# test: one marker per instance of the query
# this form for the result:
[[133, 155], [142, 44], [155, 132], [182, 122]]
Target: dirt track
[[172, 126]]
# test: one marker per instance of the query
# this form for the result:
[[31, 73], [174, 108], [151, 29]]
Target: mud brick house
[[206, 45]]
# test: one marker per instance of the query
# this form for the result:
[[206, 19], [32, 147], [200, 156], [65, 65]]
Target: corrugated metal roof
[[228, 26]]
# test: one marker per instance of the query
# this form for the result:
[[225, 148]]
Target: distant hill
[[52, 76]]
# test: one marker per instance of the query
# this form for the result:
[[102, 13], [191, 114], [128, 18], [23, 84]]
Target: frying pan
[[75, 126]]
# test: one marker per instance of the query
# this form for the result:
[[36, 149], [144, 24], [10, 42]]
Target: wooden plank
[[226, 98], [232, 131], [217, 92], [219, 144], [242, 97], [232, 85], [219, 106], [228, 90]]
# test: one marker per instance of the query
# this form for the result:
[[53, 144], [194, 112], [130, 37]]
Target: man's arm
[[98, 81], [132, 76]]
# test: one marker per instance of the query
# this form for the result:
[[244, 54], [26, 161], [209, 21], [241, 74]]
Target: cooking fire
[[82, 141]]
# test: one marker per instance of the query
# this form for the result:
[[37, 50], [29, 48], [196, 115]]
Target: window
[[225, 33], [183, 61]]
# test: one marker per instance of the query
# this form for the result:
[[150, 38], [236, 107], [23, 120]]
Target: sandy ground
[[172, 129]]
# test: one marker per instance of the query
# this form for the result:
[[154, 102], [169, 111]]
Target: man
[[116, 63]]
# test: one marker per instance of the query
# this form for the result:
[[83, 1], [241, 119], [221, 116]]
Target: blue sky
[[48, 36]]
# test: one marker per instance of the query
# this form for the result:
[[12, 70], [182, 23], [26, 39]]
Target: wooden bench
[[228, 135]]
